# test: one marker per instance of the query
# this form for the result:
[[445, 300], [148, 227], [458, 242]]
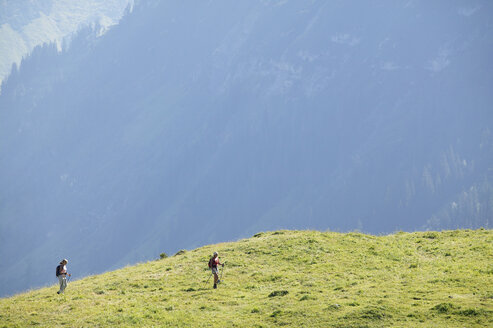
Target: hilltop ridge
[[286, 278]]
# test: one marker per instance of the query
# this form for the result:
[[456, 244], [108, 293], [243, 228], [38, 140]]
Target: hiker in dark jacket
[[61, 274], [213, 263]]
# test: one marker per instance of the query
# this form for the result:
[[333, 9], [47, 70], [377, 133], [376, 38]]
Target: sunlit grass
[[286, 278]]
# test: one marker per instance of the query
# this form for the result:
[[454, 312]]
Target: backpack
[[211, 263], [58, 269]]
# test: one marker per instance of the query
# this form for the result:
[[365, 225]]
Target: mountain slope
[[27, 24], [286, 278], [189, 123]]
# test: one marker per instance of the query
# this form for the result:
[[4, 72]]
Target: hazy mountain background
[[195, 122]]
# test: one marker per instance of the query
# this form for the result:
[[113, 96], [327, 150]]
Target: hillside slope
[[289, 278]]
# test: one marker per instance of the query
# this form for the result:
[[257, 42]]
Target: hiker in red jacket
[[213, 263]]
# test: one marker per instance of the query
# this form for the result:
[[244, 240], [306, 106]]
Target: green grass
[[286, 278]]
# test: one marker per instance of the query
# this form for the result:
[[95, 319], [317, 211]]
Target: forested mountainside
[[25, 24]]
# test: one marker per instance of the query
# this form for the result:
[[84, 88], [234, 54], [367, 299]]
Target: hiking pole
[[222, 269], [208, 279]]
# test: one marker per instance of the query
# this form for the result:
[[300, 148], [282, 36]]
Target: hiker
[[213, 263], [61, 274]]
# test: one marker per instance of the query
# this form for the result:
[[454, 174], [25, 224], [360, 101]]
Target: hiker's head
[[215, 254], [64, 261]]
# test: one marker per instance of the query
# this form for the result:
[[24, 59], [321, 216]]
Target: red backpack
[[212, 263]]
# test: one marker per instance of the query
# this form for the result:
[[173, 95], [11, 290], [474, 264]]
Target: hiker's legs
[[60, 281], [216, 277], [63, 283]]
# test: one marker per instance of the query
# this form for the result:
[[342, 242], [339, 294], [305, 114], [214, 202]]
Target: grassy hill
[[286, 278]]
